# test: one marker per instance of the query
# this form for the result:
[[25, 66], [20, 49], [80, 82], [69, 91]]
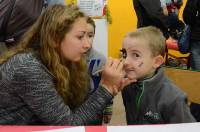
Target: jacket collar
[[154, 81]]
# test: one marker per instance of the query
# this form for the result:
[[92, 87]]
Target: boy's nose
[[125, 61]]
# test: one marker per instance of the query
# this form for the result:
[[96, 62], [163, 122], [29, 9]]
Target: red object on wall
[[172, 44], [104, 10]]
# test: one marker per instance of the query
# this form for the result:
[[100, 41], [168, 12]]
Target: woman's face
[[76, 42]]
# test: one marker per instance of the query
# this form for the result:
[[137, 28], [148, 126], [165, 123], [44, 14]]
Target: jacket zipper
[[138, 101]]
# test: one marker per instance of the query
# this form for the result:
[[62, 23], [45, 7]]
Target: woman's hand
[[113, 76]]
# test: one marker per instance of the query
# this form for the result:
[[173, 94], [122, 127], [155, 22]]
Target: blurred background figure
[[191, 17], [171, 10], [18, 15], [150, 13], [96, 62]]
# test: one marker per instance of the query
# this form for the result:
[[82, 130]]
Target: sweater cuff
[[105, 93]]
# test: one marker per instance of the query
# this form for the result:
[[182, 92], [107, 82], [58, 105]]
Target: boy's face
[[139, 62], [90, 33]]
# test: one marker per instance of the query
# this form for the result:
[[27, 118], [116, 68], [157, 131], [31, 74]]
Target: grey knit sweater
[[28, 96]]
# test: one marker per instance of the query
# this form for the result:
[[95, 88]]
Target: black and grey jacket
[[150, 13], [28, 96], [156, 101], [191, 17]]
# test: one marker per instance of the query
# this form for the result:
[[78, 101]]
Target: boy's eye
[[135, 55]]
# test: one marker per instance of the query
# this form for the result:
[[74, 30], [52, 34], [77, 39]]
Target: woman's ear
[[57, 43], [158, 60]]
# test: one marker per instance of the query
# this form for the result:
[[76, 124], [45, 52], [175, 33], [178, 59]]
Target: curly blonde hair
[[71, 78]]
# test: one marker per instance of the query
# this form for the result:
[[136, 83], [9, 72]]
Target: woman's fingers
[[127, 81], [115, 64], [121, 65], [113, 76], [109, 62]]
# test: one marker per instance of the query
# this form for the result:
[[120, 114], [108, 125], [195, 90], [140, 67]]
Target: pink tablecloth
[[43, 128]]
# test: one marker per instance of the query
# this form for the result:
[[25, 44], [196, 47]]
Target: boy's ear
[[158, 60]]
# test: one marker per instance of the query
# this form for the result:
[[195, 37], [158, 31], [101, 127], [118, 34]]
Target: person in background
[[150, 13], [154, 98], [22, 17], [96, 62], [53, 2], [44, 80], [171, 10], [191, 17], [171, 6]]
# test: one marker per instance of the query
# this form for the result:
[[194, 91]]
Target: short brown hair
[[153, 36]]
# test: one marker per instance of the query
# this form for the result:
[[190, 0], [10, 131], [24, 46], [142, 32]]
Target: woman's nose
[[87, 43]]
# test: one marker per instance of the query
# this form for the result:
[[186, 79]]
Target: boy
[[154, 99]]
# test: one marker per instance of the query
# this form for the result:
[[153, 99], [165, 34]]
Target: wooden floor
[[118, 117]]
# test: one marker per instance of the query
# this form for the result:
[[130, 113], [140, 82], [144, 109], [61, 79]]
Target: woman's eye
[[80, 37], [90, 35]]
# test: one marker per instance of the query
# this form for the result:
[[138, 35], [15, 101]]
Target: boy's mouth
[[129, 70], [130, 76]]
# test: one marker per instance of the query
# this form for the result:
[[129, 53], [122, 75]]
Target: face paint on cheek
[[140, 65]]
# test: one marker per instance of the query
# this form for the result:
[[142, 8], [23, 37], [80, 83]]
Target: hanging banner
[[92, 8]]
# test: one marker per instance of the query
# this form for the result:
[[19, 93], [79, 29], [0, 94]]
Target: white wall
[[101, 36]]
